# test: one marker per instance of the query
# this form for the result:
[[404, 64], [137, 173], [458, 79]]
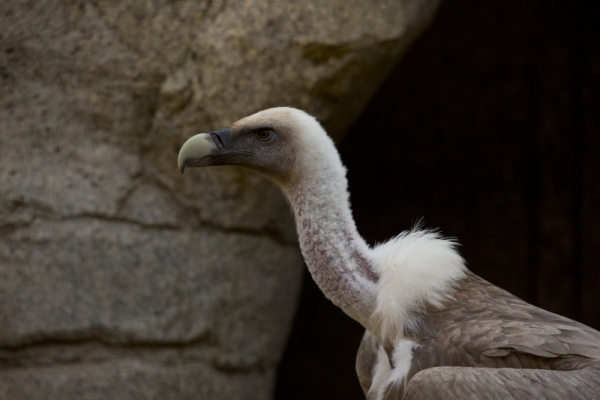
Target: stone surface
[[132, 380], [119, 278]]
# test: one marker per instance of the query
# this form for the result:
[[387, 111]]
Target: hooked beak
[[200, 150]]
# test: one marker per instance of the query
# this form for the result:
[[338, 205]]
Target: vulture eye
[[264, 135]]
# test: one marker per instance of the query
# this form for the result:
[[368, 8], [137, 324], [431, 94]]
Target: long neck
[[336, 255]]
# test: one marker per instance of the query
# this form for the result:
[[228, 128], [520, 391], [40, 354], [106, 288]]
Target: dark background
[[489, 129]]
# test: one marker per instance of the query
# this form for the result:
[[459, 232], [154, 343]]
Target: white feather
[[402, 357], [381, 373], [384, 375], [417, 269]]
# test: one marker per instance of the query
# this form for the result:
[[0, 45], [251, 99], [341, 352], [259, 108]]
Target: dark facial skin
[[264, 148]]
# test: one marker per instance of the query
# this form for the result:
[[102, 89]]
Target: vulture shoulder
[[457, 383], [484, 338]]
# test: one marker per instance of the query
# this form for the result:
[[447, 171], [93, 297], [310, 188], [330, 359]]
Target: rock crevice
[[119, 278]]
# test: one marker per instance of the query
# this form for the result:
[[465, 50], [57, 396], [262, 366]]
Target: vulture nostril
[[218, 141]]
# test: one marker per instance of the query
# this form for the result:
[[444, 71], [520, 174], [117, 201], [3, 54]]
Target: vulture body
[[433, 329]]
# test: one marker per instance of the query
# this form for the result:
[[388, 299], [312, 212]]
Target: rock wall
[[118, 278]]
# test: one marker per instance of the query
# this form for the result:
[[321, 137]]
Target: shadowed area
[[488, 130]]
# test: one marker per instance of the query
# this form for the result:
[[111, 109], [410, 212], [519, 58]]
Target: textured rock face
[[119, 278]]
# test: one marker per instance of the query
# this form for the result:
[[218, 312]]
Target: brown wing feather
[[505, 383], [517, 345], [366, 358], [485, 326]]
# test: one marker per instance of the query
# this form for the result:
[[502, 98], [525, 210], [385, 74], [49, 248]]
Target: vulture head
[[283, 143]]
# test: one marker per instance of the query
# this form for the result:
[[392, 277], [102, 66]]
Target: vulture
[[433, 329]]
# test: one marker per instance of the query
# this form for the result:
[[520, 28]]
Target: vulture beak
[[202, 149]]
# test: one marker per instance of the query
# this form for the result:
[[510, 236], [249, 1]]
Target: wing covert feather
[[465, 383]]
